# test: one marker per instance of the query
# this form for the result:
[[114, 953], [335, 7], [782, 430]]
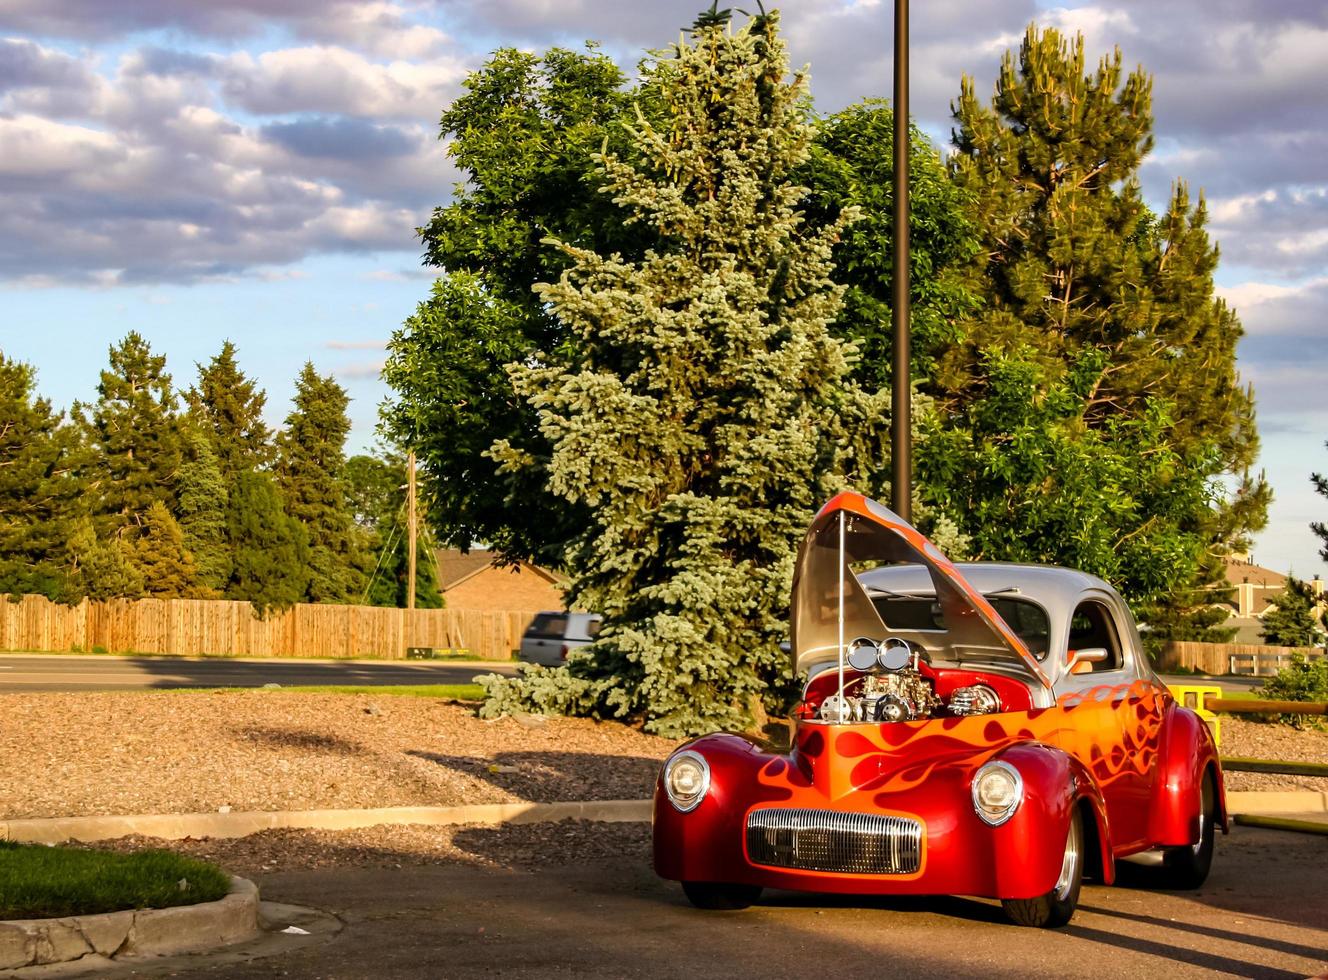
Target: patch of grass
[[38, 882], [451, 692]]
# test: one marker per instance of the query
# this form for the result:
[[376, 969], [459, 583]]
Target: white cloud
[[336, 80]]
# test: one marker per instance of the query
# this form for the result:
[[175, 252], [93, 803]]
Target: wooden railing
[[210, 627]]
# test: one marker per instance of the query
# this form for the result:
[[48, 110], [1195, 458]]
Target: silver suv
[[551, 636]]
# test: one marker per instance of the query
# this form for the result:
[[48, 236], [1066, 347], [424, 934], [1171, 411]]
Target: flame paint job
[[1127, 755]]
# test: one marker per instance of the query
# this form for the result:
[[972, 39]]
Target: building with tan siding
[[476, 581]]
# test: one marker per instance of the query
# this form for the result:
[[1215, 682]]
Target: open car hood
[[830, 607]]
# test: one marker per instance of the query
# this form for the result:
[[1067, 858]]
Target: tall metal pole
[[412, 528], [901, 441]]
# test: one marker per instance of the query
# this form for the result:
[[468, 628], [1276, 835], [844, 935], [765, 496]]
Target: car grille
[[826, 840]]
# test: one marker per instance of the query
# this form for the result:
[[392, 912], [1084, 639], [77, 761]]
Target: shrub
[[1305, 680]]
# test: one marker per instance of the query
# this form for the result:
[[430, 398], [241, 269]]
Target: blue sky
[[254, 170]]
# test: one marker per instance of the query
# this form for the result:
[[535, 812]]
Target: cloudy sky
[[255, 169]]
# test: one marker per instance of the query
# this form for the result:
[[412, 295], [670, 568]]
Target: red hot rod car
[[982, 729]]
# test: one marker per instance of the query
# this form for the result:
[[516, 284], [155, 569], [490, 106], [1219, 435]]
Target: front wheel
[[1056, 907], [720, 896], [1185, 868]]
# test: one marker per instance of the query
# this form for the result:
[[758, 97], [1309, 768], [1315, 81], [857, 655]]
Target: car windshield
[[922, 613]]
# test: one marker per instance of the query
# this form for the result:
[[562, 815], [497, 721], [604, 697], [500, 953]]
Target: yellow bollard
[[1194, 697]]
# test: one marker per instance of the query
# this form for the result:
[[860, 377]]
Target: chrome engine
[[895, 690]]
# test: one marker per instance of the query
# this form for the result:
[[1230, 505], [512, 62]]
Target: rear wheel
[[720, 896], [1187, 867], [1055, 908]]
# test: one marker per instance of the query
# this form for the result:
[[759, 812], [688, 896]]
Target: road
[[1263, 913], [102, 673]]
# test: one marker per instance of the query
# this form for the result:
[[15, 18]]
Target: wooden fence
[[1229, 658], [209, 627]]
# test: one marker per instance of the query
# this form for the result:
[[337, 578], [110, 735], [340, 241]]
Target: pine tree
[[160, 555], [310, 463], [39, 492], [1291, 622], [228, 407], [270, 549], [524, 135], [1073, 264], [101, 569], [133, 433], [707, 409], [201, 495]]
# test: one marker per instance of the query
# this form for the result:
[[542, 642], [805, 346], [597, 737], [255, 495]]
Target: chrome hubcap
[[1069, 865]]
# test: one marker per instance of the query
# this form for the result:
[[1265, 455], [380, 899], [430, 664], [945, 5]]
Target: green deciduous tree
[[39, 491], [1291, 622], [705, 410], [1034, 484], [310, 460], [269, 548], [377, 492], [228, 407], [1073, 265], [852, 164], [523, 134]]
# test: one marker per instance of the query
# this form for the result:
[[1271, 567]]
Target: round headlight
[[998, 789], [686, 779]]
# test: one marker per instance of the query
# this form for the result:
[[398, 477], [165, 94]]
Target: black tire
[[1186, 868], [720, 896], [1056, 907]]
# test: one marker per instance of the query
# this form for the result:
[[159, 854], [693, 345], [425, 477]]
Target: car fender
[[705, 844], [1030, 846], [1187, 754]]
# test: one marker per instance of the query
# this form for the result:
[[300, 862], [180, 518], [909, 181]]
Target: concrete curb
[[93, 940], [176, 826], [1277, 801]]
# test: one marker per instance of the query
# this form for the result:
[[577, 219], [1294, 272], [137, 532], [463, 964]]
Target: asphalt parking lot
[[1263, 913]]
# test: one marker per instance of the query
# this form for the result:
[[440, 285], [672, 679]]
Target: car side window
[[1092, 626], [547, 627]]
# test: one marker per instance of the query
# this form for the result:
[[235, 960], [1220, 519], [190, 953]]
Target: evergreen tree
[[310, 463], [134, 436], [159, 553], [270, 549], [201, 493], [228, 407], [1319, 528], [39, 493], [706, 410], [523, 135], [101, 569], [1291, 622], [1072, 264]]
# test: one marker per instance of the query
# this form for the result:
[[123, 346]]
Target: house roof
[[454, 567], [1241, 572]]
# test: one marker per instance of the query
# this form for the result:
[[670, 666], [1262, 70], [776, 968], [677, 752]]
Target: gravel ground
[[521, 847], [1262, 740], [196, 751]]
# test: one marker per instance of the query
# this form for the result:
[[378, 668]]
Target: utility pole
[[411, 527], [901, 439]]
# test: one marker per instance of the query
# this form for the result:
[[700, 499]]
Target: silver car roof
[[1054, 588]]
